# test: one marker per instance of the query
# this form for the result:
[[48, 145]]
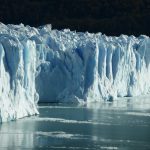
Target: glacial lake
[[123, 124]]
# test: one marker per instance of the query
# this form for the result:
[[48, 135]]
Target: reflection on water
[[122, 124], [17, 134]]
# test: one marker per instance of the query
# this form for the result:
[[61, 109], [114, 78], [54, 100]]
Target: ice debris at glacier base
[[66, 66]]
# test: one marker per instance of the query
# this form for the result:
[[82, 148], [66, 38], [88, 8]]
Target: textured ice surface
[[73, 67], [17, 74], [66, 66]]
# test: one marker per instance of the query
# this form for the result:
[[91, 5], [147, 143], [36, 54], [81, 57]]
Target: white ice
[[66, 66], [18, 96], [77, 67]]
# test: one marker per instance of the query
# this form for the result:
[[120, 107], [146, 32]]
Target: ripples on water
[[122, 124]]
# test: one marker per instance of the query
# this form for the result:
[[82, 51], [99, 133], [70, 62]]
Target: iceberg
[[45, 65]]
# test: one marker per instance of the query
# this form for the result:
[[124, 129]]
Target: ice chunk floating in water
[[65, 66]]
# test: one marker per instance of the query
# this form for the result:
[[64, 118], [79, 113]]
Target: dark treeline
[[112, 17]]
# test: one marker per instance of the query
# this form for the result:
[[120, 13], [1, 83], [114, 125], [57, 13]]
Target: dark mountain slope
[[112, 17]]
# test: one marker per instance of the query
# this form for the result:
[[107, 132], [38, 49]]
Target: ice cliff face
[[17, 74], [74, 66], [65, 66]]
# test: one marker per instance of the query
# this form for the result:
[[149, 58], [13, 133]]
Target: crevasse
[[64, 66]]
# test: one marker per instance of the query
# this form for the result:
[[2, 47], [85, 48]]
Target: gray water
[[123, 124]]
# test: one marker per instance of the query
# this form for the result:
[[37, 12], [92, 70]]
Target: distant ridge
[[112, 17]]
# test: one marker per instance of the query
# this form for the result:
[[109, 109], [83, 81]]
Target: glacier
[[45, 65], [18, 96]]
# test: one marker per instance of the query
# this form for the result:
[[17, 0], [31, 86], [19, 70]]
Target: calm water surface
[[123, 124]]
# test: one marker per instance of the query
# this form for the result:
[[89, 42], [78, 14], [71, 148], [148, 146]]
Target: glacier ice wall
[[73, 67], [65, 66], [17, 75]]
